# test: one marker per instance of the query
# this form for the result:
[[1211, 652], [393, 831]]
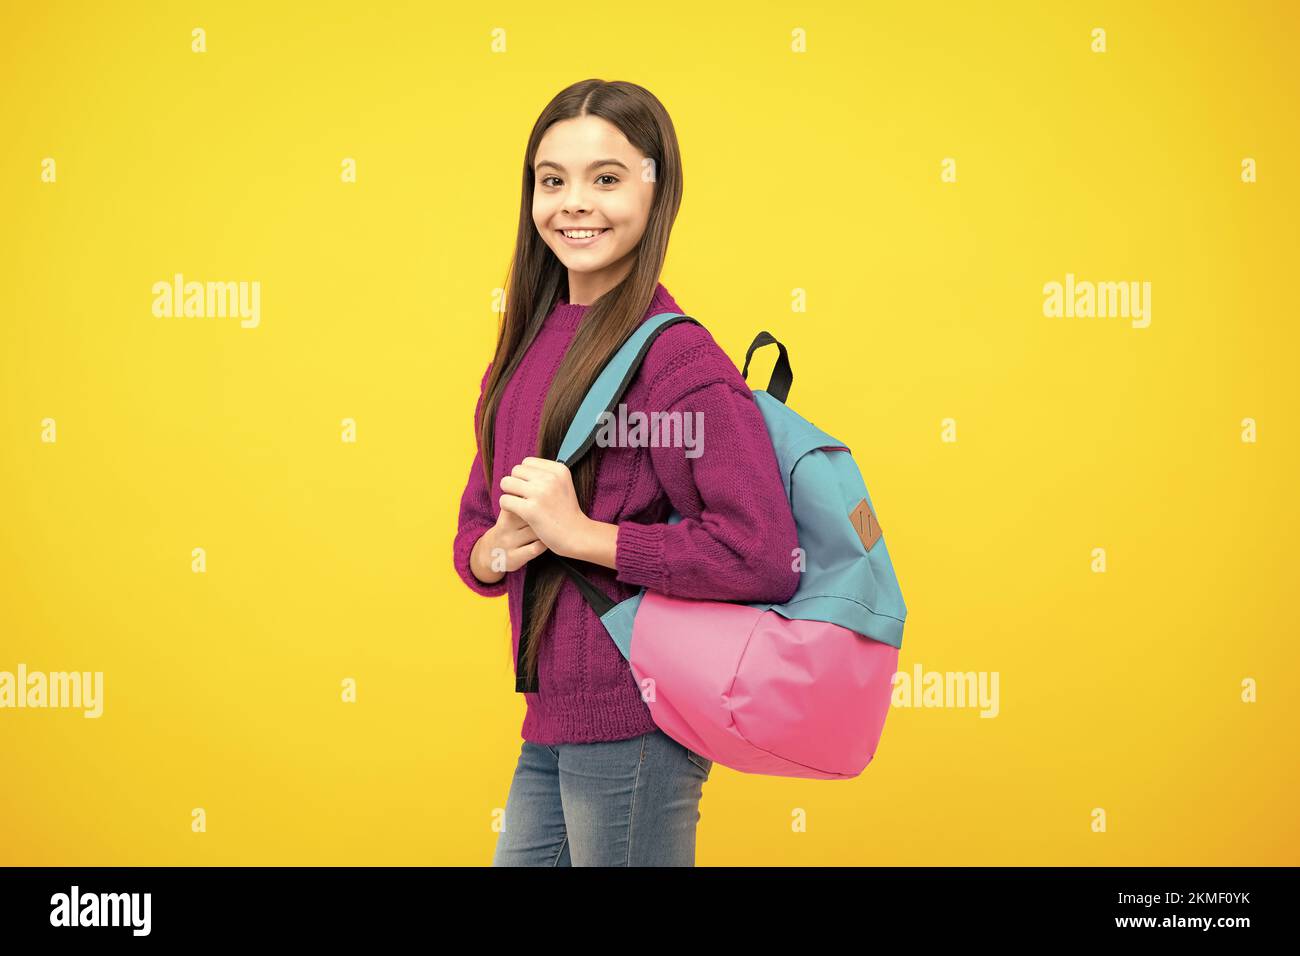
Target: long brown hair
[[537, 280]]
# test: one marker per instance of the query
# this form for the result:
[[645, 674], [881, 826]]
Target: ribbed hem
[[462, 549], [639, 555], [586, 717]]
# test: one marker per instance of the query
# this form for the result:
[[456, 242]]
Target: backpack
[[799, 689]]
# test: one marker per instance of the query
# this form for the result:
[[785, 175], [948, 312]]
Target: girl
[[597, 783]]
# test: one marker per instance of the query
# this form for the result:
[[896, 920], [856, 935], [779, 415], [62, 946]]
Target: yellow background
[[817, 171]]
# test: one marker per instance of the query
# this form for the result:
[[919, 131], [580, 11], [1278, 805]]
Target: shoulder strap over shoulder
[[610, 385]]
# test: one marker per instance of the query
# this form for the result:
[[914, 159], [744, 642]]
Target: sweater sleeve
[[737, 533], [476, 515]]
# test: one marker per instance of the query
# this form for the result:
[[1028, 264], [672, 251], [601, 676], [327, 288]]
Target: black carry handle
[[782, 378], [597, 599]]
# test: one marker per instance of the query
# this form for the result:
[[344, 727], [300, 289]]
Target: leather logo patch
[[865, 524]]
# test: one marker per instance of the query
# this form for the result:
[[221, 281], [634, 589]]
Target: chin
[[580, 264]]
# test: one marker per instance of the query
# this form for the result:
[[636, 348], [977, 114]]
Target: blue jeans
[[628, 802]]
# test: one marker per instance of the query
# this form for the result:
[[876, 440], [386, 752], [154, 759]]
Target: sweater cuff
[[464, 548], [639, 555]]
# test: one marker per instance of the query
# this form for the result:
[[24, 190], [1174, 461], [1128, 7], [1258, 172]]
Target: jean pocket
[[704, 763]]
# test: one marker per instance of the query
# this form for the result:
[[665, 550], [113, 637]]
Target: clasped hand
[[540, 492]]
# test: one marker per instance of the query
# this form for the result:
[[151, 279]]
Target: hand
[[507, 546], [540, 492]]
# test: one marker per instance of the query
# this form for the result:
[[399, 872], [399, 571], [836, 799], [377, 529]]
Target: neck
[[586, 287]]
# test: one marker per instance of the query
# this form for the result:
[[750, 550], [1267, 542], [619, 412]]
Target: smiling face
[[587, 178]]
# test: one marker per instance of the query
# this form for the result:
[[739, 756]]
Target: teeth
[[582, 233]]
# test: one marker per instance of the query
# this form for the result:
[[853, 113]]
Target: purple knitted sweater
[[734, 541]]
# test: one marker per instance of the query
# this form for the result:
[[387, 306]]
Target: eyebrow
[[599, 162]]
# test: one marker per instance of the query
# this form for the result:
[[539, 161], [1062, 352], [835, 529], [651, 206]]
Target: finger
[[527, 472], [546, 464], [517, 537], [516, 558], [516, 486], [509, 517], [530, 551], [515, 505], [515, 524]]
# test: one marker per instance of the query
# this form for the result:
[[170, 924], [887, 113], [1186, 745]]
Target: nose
[[575, 201]]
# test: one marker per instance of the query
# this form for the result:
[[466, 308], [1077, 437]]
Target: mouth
[[581, 237]]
